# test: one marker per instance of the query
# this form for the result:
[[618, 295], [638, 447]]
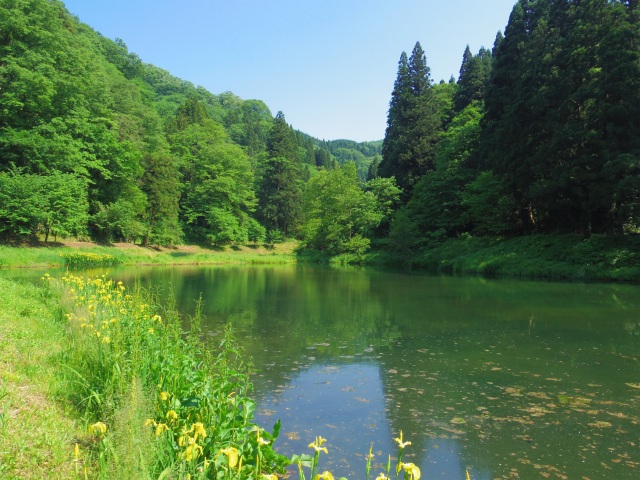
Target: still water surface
[[508, 379]]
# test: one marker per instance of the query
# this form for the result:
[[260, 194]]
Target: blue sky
[[328, 65]]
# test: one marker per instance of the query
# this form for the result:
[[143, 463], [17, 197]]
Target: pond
[[508, 379]]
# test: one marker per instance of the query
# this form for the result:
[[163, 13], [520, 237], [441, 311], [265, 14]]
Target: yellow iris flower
[[412, 470], [198, 430], [161, 427], [97, 428], [172, 415], [317, 445], [401, 443], [324, 476], [232, 455]]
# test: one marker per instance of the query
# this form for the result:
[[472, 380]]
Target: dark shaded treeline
[[540, 135]]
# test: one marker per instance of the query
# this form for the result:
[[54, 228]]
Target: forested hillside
[[98, 144], [540, 134]]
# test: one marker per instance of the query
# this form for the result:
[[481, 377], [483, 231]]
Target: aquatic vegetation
[[77, 260]]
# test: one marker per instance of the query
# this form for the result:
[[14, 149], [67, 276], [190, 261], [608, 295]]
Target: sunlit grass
[[96, 255], [37, 432]]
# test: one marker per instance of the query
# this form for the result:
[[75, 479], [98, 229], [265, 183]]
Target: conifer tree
[[279, 188], [413, 123], [474, 77]]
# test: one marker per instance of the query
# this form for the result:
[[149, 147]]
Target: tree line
[[538, 134]]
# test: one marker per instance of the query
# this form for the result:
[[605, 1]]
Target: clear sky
[[328, 65]]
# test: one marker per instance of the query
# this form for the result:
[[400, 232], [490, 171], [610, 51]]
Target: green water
[[508, 379]]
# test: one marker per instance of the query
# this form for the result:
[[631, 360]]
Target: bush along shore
[[599, 258], [117, 389]]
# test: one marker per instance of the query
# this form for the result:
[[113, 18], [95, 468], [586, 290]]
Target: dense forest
[[538, 134]]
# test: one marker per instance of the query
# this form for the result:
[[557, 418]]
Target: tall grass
[[130, 360], [83, 260]]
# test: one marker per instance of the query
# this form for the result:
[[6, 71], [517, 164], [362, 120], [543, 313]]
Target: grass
[[37, 430], [50, 255]]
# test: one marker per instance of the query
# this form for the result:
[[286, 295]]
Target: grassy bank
[[554, 257], [38, 427], [52, 255], [97, 382]]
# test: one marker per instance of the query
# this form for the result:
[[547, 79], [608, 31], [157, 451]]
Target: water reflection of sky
[[342, 403], [346, 405]]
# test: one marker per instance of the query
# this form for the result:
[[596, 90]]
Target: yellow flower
[[192, 452], [161, 427], [324, 476], [317, 445], [232, 455], [401, 444], [198, 430], [151, 330], [76, 452], [149, 422], [97, 428], [412, 470], [172, 415], [164, 396], [106, 340], [382, 476], [269, 476]]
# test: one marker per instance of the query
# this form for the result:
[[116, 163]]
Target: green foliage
[[256, 233], [117, 221], [561, 104], [475, 73], [161, 184], [54, 204], [488, 206], [217, 178], [339, 214]]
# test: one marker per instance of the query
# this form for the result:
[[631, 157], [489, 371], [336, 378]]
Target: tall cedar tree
[[413, 123], [161, 184], [279, 191], [473, 79]]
